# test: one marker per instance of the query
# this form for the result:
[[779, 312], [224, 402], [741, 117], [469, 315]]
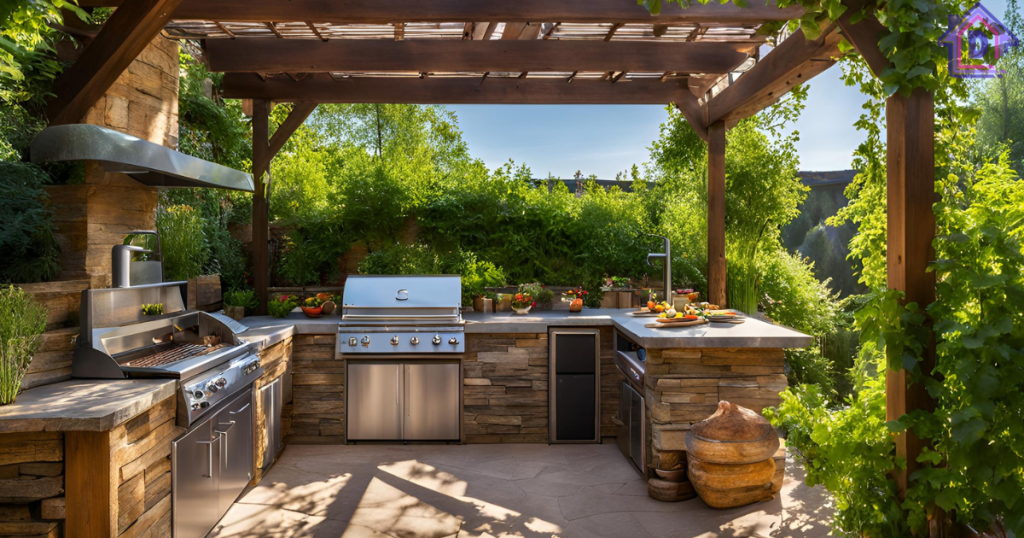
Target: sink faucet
[[666, 258]]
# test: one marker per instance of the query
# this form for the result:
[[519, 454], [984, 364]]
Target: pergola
[[703, 59]]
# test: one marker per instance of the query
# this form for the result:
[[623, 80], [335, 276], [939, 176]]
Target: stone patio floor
[[528, 491]]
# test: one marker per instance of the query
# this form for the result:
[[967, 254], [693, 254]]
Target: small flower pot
[[235, 312], [576, 305], [313, 311], [523, 311]]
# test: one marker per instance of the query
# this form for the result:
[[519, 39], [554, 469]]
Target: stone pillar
[[94, 215]]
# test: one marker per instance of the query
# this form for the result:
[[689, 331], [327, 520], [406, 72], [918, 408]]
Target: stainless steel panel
[[234, 424], [384, 342], [403, 292], [432, 410], [195, 476], [637, 417], [622, 433], [148, 163], [374, 400], [271, 396]]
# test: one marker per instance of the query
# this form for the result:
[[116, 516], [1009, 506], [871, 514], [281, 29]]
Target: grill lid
[[424, 298]]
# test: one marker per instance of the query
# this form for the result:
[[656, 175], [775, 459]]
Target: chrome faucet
[[666, 258]]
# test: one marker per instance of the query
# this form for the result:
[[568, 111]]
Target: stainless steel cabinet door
[[374, 405], [234, 426], [432, 402], [637, 435], [195, 459]]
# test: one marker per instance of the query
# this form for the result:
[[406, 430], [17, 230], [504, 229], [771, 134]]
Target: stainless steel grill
[[415, 314], [200, 349]]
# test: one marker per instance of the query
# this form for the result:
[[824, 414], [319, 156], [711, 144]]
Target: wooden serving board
[[672, 324], [642, 314]]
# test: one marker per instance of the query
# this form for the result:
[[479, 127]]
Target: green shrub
[[27, 233], [539, 292], [245, 298], [183, 242], [22, 321], [423, 260], [281, 306]]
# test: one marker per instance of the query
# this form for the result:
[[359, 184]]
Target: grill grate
[[175, 353]]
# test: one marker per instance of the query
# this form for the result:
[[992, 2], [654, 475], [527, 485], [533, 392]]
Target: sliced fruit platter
[[692, 314]]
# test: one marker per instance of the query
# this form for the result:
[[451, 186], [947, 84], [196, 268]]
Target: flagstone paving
[[468, 491]]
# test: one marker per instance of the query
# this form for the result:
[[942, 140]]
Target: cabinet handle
[[244, 407], [209, 454]]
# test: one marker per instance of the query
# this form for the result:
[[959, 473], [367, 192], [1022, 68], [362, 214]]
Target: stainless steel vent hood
[[146, 162]]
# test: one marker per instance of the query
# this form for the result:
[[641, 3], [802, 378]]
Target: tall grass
[[183, 242], [22, 321]]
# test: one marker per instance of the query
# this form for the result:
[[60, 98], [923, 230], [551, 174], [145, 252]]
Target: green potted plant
[[541, 294], [282, 305], [22, 321], [522, 303], [238, 302], [313, 307]]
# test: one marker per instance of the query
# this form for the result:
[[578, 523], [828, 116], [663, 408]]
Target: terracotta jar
[[729, 457], [576, 305]]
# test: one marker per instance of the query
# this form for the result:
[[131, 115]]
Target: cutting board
[[673, 324]]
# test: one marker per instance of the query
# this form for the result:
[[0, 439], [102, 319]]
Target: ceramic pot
[[313, 312], [522, 311], [576, 305], [328, 307]]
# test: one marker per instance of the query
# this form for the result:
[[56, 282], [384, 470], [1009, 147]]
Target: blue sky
[[603, 140]]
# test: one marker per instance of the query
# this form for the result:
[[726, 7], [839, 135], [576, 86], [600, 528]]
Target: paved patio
[[494, 491]]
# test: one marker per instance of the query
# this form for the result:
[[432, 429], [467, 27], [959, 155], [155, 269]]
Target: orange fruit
[[661, 308], [650, 305]]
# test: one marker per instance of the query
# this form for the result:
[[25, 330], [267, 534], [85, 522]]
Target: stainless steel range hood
[[146, 162]]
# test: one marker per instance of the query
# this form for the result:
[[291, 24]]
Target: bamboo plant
[[22, 321]]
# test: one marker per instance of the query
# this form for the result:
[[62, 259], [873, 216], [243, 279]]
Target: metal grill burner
[[175, 353]]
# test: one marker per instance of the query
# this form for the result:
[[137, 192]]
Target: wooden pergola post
[[716, 213], [260, 210], [910, 183]]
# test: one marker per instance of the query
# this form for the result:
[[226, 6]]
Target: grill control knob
[[436, 340], [198, 394], [453, 341], [414, 340], [221, 382], [394, 340], [212, 387], [204, 405], [366, 340], [352, 341]]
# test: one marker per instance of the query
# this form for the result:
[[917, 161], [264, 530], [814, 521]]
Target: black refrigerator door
[[575, 404], [575, 353]]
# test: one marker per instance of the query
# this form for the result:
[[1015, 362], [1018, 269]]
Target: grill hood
[[402, 298], [148, 163]]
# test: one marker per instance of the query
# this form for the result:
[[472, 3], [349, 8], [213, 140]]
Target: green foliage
[[156, 309], [1001, 100], [22, 321], [242, 297], [183, 242], [423, 260], [538, 291], [27, 233], [281, 306]]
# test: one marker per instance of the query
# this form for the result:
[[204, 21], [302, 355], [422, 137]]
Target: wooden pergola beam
[[121, 39], [376, 12], [448, 56], [716, 214], [795, 61], [264, 148], [864, 35], [453, 90], [695, 114]]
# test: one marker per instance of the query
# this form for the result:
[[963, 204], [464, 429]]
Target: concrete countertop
[[751, 334], [83, 404]]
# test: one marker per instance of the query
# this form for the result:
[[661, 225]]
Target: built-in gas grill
[[402, 338], [117, 341], [389, 315]]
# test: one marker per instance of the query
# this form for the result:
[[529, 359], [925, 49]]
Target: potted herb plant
[[522, 303], [238, 302], [22, 321], [282, 306], [541, 294], [313, 307]]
